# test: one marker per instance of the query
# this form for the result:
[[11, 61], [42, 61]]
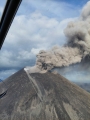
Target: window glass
[[40, 25], [2, 5]]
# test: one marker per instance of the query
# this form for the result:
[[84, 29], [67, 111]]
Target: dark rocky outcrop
[[46, 96]]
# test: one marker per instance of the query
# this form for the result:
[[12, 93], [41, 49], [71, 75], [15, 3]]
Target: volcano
[[43, 96]]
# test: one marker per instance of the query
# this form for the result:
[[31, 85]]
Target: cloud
[[81, 72], [6, 73], [80, 76], [35, 28], [28, 35], [32, 31], [53, 8]]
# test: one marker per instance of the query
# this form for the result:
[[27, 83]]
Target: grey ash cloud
[[77, 46]]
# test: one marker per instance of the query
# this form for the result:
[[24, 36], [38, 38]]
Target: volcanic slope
[[46, 96]]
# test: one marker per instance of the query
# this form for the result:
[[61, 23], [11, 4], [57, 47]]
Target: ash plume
[[77, 45], [58, 57]]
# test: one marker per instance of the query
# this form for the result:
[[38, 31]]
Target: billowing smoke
[[58, 57], [77, 46]]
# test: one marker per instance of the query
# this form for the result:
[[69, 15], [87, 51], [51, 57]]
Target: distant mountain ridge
[[49, 97]]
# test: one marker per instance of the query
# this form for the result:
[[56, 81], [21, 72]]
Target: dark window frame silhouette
[[8, 15]]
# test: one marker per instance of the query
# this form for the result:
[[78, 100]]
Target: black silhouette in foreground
[[8, 15]]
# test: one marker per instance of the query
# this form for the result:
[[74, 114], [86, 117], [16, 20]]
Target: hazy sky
[[39, 24]]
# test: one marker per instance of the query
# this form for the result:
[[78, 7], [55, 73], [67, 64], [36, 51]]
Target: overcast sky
[[38, 25]]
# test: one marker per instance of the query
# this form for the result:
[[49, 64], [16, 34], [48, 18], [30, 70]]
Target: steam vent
[[46, 96]]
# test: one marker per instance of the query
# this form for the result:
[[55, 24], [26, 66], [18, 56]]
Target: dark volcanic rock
[[45, 96]]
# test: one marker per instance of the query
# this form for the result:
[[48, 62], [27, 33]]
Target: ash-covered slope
[[45, 96]]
